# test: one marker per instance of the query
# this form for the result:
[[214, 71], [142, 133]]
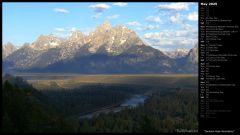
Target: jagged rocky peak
[[193, 54], [178, 53], [113, 40], [105, 25], [129, 35], [43, 38], [76, 38], [72, 44], [45, 42], [124, 28], [7, 49], [26, 44], [99, 37], [79, 50], [76, 34], [183, 50], [8, 45]]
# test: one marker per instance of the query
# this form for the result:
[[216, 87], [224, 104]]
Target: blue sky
[[163, 25]]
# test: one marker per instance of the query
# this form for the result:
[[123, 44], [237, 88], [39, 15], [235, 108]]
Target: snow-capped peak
[[178, 53], [45, 42]]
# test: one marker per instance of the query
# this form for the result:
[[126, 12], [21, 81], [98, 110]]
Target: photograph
[[100, 67]]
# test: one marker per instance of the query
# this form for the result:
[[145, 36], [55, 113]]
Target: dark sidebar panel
[[219, 67]]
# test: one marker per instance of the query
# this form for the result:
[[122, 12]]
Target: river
[[129, 103]]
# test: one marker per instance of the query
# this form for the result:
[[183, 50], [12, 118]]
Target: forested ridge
[[165, 111], [25, 109], [90, 97]]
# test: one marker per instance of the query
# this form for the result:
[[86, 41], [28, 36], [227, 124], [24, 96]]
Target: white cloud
[[99, 7], [192, 16], [61, 34], [120, 4], [183, 37], [61, 10], [73, 29], [96, 16], [191, 30], [153, 19], [148, 27], [59, 29], [134, 23], [181, 33], [64, 31], [174, 6], [113, 16], [175, 19], [159, 39], [152, 35]]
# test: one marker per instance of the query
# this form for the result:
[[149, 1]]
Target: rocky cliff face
[[106, 50], [8, 49], [179, 53], [193, 55], [113, 40], [46, 42]]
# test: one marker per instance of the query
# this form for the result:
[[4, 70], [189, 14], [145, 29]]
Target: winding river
[[129, 103]]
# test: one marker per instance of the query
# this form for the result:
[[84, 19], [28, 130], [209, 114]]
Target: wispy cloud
[[72, 29], [64, 31], [173, 6], [96, 16], [148, 27], [153, 19], [61, 32], [134, 23], [185, 36], [59, 29], [61, 10], [115, 16], [192, 16], [99, 7], [176, 18], [120, 4]]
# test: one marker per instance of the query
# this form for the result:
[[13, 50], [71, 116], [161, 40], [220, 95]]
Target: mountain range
[[178, 53], [106, 50]]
